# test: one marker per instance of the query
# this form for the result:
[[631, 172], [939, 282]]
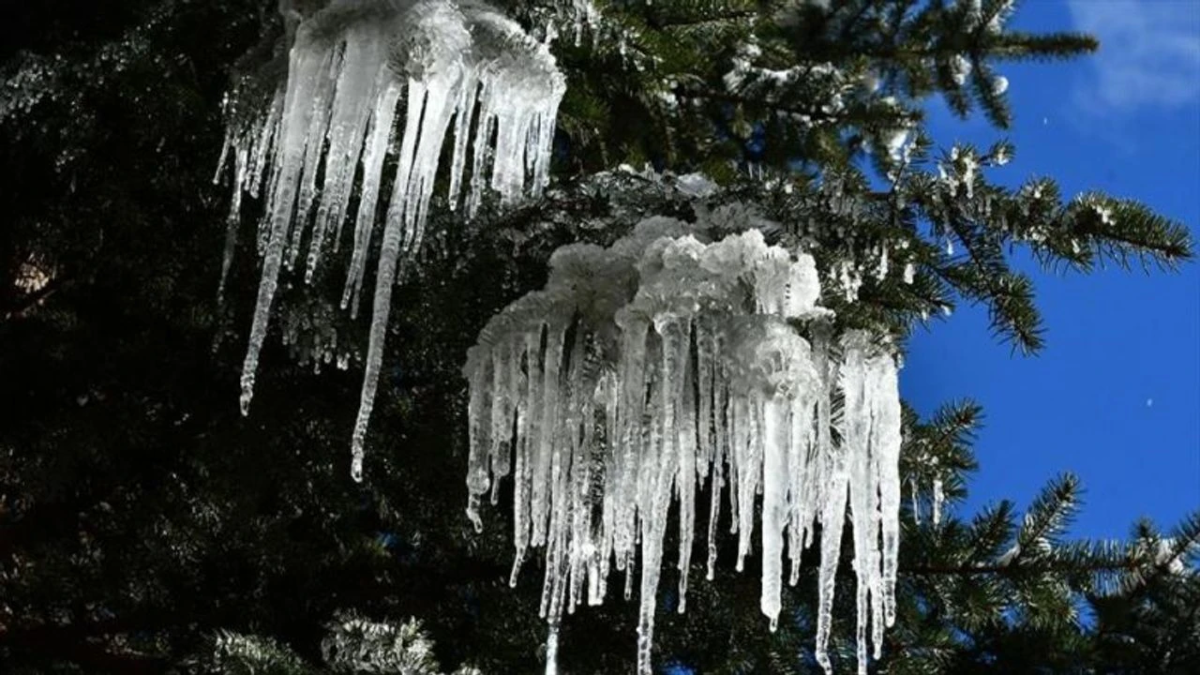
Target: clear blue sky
[[1115, 396]]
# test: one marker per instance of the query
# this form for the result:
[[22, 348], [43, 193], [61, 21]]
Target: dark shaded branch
[[684, 22], [80, 644], [23, 304], [1064, 566]]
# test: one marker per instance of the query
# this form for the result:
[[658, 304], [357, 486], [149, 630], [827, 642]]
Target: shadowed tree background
[[146, 526]]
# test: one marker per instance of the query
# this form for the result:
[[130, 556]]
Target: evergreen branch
[[992, 101], [1185, 539], [851, 22], [662, 24], [955, 423], [1134, 230], [23, 304], [815, 114], [81, 643], [1009, 296], [1007, 46], [1021, 46], [1049, 513], [1008, 569], [991, 528]]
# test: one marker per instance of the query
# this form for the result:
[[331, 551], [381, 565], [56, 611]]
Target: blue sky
[[1115, 396]]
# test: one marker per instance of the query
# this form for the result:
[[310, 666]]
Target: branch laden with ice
[[352, 644], [351, 66], [644, 369]]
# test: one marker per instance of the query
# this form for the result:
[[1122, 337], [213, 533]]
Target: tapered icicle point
[[349, 66], [247, 393], [916, 507], [666, 358], [552, 650]]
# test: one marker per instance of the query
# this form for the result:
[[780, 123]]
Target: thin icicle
[[939, 497], [306, 64], [916, 507], [889, 439], [552, 650], [856, 420], [373, 157]]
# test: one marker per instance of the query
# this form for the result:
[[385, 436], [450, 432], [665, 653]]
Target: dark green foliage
[[141, 516]]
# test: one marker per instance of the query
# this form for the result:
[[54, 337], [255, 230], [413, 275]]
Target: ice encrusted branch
[[352, 644], [351, 66], [644, 369]]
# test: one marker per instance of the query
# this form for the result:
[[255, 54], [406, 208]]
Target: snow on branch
[[671, 358]]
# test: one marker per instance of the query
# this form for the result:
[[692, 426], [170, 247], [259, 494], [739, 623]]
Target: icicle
[[856, 417], [887, 439], [304, 69], [332, 120], [960, 69], [231, 239], [939, 497], [916, 505], [707, 381], [688, 460], [552, 650], [775, 473], [358, 85], [833, 519], [373, 157]]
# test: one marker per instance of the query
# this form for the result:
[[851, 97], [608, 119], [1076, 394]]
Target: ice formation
[[960, 69], [939, 498], [999, 85], [351, 66], [645, 369]]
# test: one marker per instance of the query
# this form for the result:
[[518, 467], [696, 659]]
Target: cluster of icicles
[[350, 67], [643, 370]]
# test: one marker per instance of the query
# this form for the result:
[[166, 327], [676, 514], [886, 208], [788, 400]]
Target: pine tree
[[145, 526]]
